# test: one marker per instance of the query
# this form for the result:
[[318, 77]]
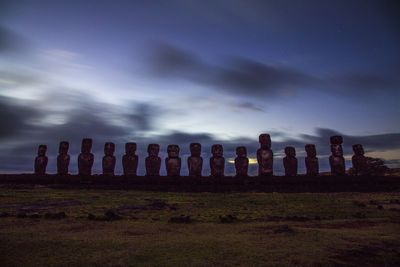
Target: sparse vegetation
[[48, 227]]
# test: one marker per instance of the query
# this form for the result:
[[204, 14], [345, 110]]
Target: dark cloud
[[14, 117], [239, 75], [249, 106], [248, 77]]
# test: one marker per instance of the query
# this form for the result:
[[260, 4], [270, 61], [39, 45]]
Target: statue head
[[241, 151], [42, 150], [63, 147], [173, 151], [130, 148], [310, 150], [109, 149], [86, 145], [336, 140], [290, 151], [153, 150], [358, 149], [337, 150], [195, 149], [217, 150], [264, 140]]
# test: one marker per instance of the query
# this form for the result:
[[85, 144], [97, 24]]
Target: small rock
[[111, 215], [283, 229], [228, 219], [4, 214], [91, 216], [180, 219], [380, 207]]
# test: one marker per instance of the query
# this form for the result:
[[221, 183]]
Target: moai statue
[[173, 161], [359, 160], [85, 158], [63, 158], [41, 160], [241, 162], [217, 161], [265, 156], [195, 161], [153, 161], [130, 160], [290, 161], [311, 160], [109, 159], [336, 160]]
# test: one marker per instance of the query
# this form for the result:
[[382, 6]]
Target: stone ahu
[[195, 161], [130, 160], [265, 157], [63, 158], [312, 166], [241, 162], [217, 161], [153, 161], [41, 160], [359, 161], [336, 160], [86, 158], [290, 161], [173, 161], [109, 160]]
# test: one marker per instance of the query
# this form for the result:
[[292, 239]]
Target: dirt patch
[[343, 224], [41, 205], [153, 204], [376, 254]]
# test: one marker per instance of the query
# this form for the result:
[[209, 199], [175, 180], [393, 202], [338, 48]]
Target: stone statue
[[41, 160], [241, 162], [130, 160], [153, 161], [336, 160], [290, 161], [85, 158], [217, 161], [265, 156], [63, 158], [359, 160], [109, 159], [311, 160], [173, 161], [195, 161]]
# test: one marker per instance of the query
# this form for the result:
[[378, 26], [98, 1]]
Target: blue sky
[[187, 71]]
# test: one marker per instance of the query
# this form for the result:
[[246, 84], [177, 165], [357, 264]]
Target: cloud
[[238, 75], [247, 77]]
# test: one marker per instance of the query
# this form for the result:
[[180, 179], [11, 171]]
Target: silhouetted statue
[[359, 160], [217, 161], [153, 161], [195, 161], [130, 160], [265, 156], [41, 160], [85, 158], [290, 161], [63, 158], [312, 165], [173, 161], [241, 162], [336, 160], [109, 159]]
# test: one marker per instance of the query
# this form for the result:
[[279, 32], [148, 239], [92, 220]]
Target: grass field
[[40, 226]]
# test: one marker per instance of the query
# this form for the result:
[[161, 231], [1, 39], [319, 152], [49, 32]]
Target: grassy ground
[[131, 228]]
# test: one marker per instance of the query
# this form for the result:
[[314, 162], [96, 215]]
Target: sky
[[182, 71]]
